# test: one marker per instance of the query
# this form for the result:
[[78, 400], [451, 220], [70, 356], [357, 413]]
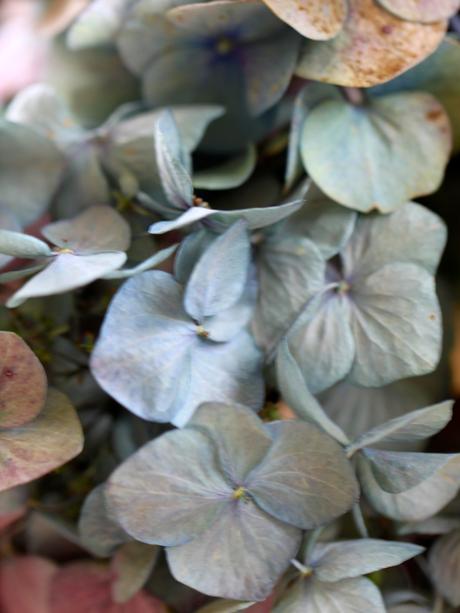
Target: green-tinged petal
[[347, 596], [98, 532], [305, 478], [169, 491], [348, 559], [68, 272], [252, 547], [379, 155], [417, 503], [240, 437]]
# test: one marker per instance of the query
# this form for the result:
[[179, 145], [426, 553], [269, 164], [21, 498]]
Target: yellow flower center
[[224, 45], [61, 250], [239, 493], [343, 287], [201, 331]]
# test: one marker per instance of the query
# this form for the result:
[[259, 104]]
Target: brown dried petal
[[318, 19], [424, 11], [373, 47], [22, 382], [40, 446]]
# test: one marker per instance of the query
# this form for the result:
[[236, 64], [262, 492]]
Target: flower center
[[201, 331], [224, 45], [239, 493], [305, 571], [61, 250], [343, 287]]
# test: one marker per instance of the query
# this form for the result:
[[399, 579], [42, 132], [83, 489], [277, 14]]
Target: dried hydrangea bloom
[[364, 42], [233, 53], [86, 248]]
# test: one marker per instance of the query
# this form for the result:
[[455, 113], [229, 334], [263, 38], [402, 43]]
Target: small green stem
[[359, 521], [438, 605], [311, 542], [305, 571]]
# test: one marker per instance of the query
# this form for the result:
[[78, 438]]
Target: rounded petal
[[427, 11], [373, 46], [305, 478], [253, 550], [23, 384], [38, 447], [315, 19], [67, 272], [98, 228], [378, 156], [170, 490]]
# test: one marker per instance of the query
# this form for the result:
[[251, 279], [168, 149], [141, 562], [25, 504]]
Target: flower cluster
[[223, 378]]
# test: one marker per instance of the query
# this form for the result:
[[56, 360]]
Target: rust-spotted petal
[[373, 47]]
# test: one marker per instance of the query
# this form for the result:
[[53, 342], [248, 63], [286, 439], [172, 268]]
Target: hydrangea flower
[[332, 572], [39, 428], [233, 53], [240, 52], [183, 344], [119, 150], [350, 315], [229, 488], [179, 202], [30, 173], [85, 249], [324, 20], [364, 42], [401, 485]]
